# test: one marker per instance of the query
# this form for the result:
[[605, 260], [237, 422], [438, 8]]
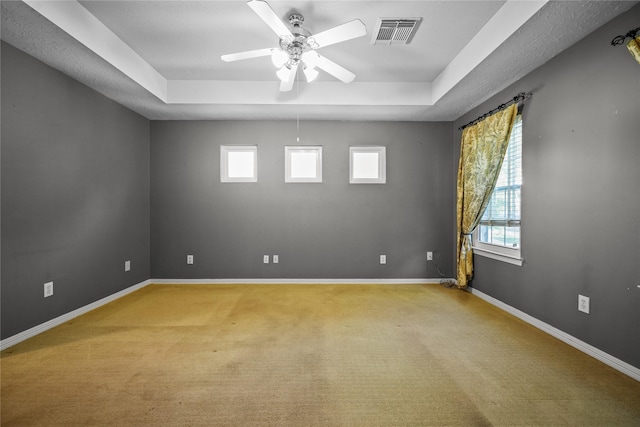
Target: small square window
[[367, 165], [238, 163], [303, 164]]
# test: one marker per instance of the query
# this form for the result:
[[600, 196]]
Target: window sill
[[510, 259]]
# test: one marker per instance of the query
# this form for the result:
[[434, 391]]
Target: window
[[367, 165], [498, 235], [303, 164], [238, 163]]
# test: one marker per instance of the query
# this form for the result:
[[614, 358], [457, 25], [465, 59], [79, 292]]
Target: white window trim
[[382, 164], [224, 162], [500, 253], [288, 150]]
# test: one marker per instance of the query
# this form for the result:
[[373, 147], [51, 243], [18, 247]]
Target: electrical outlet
[[383, 259], [429, 256], [583, 304], [189, 259], [275, 259], [265, 259], [127, 266], [48, 289]]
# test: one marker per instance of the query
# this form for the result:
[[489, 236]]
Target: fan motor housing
[[300, 42]]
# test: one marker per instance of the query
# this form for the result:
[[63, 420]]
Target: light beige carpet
[[307, 355]]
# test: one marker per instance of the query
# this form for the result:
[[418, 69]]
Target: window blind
[[503, 209]]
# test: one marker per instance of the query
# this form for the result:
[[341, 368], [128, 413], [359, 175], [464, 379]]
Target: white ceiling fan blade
[[287, 85], [335, 70], [348, 31], [246, 55], [264, 11]]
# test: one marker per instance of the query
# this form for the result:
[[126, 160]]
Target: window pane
[[304, 164], [240, 164], [512, 237], [492, 234], [365, 165]]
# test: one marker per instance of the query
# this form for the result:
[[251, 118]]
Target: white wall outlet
[[276, 259], [429, 256], [265, 259], [383, 259], [189, 259], [48, 289], [127, 266], [583, 304]]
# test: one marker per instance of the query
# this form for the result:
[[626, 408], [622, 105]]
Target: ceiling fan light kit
[[283, 73], [310, 73], [297, 47]]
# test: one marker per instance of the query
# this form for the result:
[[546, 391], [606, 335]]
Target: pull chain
[[297, 109]]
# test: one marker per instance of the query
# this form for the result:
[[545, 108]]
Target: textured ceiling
[[184, 40], [162, 58]]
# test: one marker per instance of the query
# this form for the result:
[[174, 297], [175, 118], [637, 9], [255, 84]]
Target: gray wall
[[581, 198], [327, 230], [79, 174], [75, 194]]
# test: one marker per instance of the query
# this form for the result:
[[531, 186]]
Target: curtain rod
[[518, 98], [620, 39]]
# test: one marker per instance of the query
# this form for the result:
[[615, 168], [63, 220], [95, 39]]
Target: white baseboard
[[294, 281], [17, 338], [592, 351]]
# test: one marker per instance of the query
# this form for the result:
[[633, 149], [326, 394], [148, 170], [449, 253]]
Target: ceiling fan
[[298, 47]]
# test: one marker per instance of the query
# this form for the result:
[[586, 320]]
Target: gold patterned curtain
[[634, 48], [481, 154]]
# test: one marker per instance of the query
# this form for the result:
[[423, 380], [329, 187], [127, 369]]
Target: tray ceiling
[[162, 58]]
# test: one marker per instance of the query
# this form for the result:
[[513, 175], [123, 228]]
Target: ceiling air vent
[[395, 30]]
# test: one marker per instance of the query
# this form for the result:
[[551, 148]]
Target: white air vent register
[[395, 30]]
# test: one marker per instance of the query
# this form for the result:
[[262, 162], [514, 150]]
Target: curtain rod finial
[[618, 40]]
